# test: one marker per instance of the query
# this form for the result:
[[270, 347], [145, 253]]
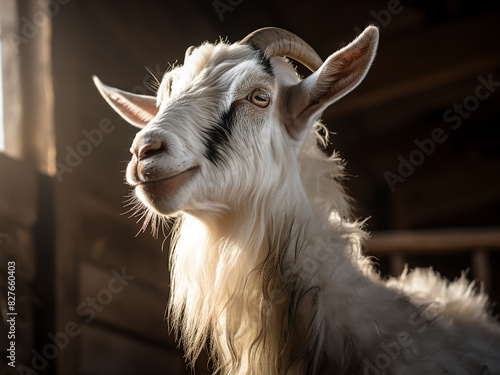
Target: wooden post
[[481, 267], [397, 263]]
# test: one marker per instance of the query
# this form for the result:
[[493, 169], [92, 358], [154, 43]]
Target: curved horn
[[273, 41]]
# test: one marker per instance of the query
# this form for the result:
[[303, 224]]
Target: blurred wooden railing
[[479, 241]]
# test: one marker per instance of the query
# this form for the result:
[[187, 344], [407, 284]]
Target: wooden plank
[[67, 231], [451, 193], [430, 81], [481, 267], [16, 244], [434, 241], [401, 69], [18, 189], [109, 237], [161, 29], [37, 126], [135, 307], [105, 353], [397, 263], [412, 109], [11, 79]]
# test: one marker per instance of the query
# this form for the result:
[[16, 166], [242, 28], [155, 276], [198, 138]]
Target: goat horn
[[273, 41]]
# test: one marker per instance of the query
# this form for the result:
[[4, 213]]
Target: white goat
[[265, 266]]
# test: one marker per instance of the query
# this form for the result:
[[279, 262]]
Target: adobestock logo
[[461, 111]]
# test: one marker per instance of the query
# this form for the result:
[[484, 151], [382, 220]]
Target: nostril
[[150, 149]]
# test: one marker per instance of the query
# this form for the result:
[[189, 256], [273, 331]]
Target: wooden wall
[[121, 318], [17, 244]]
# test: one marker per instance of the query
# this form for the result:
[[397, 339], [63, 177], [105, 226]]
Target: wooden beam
[[402, 67], [434, 241], [421, 84], [18, 189], [415, 204]]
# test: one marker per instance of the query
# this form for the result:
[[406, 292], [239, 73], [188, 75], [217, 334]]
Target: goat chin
[[165, 194], [266, 264]]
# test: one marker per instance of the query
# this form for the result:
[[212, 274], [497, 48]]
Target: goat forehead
[[196, 98], [212, 97], [211, 65]]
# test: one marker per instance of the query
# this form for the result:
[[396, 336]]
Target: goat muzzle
[[147, 150]]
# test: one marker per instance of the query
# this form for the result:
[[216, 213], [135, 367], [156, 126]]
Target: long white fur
[[222, 291], [266, 266]]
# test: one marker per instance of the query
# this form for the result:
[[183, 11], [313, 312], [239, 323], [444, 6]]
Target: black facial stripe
[[264, 61], [217, 137]]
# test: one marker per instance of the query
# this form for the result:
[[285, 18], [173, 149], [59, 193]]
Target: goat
[[267, 268]]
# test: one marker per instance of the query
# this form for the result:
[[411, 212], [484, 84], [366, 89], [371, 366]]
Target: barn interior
[[420, 137]]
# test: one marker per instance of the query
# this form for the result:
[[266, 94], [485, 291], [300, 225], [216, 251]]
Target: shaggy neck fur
[[276, 284], [266, 268], [246, 278]]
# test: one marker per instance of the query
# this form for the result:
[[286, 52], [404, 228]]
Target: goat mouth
[[167, 178], [167, 185]]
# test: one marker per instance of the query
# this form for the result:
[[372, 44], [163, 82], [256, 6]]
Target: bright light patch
[[2, 138]]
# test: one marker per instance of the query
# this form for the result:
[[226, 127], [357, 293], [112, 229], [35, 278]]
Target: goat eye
[[259, 97]]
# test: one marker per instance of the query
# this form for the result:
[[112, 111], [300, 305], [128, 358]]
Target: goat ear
[[138, 110], [338, 75]]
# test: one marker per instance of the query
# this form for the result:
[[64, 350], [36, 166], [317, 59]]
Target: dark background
[[430, 59]]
